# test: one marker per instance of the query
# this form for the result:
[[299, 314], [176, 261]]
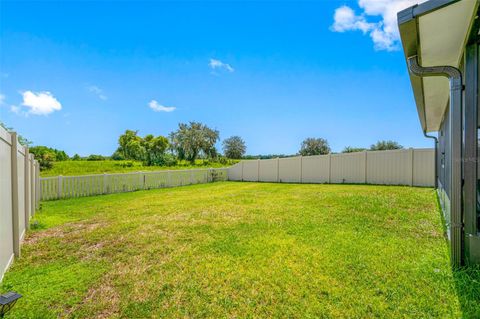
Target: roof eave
[[409, 34]]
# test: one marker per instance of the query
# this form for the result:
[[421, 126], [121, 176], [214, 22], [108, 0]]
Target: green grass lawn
[[68, 168], [243, 250]]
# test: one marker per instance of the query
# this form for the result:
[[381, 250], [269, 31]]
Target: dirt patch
[[103, 300], [62, 231], [89, 252]]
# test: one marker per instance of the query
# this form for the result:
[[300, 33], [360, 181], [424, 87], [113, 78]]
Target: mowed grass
[[244, 250], [69, 168]]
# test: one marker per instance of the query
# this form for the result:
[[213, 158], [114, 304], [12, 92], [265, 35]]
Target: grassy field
[[68, 168], [243, 250]]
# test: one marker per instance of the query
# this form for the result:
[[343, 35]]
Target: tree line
[[320, 146], [189, 142]]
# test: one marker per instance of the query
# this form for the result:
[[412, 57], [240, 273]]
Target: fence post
[[38, 185], [27, 188], [191, 177], [169, 179], [412, 162], [258, 170], [15, 219], [32, 185], [242, 169], [329, 168], [365, 173], [278, 169], [301, 169], [59, 188]]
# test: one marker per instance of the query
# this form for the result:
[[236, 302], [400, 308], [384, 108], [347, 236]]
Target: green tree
[[385, 145], [234, 147], [76, 157], [117, 156], [194, 139], [60, 155], [314, 146], [149, 149], [155, 148], [125, 141], [45, 156], [135, 150], [351, 149]]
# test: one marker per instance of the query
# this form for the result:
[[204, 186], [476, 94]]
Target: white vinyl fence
[[19, 196], [414, 167], [88, 185]]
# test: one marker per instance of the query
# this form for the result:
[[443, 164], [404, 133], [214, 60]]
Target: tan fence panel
[[6, 222], [37, 185], [33, 194], [21, 190], [390, 167], [423, 161], [27, 184], [235, 172], [250, 170], [17, 196], [348, 168], [269, 170], [290, 170], [316, 169], [395, 167]]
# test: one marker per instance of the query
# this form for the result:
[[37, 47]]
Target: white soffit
[[442, 38]]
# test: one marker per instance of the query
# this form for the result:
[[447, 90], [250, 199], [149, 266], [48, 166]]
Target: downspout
[[454, 76], [435, 139]]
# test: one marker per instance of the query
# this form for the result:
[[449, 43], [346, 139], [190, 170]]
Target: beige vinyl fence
[[88, 185], [414, 167], [19, 196]]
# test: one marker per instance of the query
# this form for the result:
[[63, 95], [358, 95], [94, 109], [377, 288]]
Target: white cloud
[[217, 64], [2, 99], [384, 33], [15, 109], [155, 106], [97, 91], [40, 103], [346, 20]]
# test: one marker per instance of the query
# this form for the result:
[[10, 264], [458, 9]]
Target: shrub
[[117, 156], [385, 145], [314, 146], [95, 157]]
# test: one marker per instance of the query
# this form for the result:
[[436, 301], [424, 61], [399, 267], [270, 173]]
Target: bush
[[385, 145], [350, 149], [118, 156], [223, 160], [125, 164], [95, 157], [163, 160], [45, 162]]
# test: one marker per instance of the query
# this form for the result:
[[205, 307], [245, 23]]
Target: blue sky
[[75, 75]]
